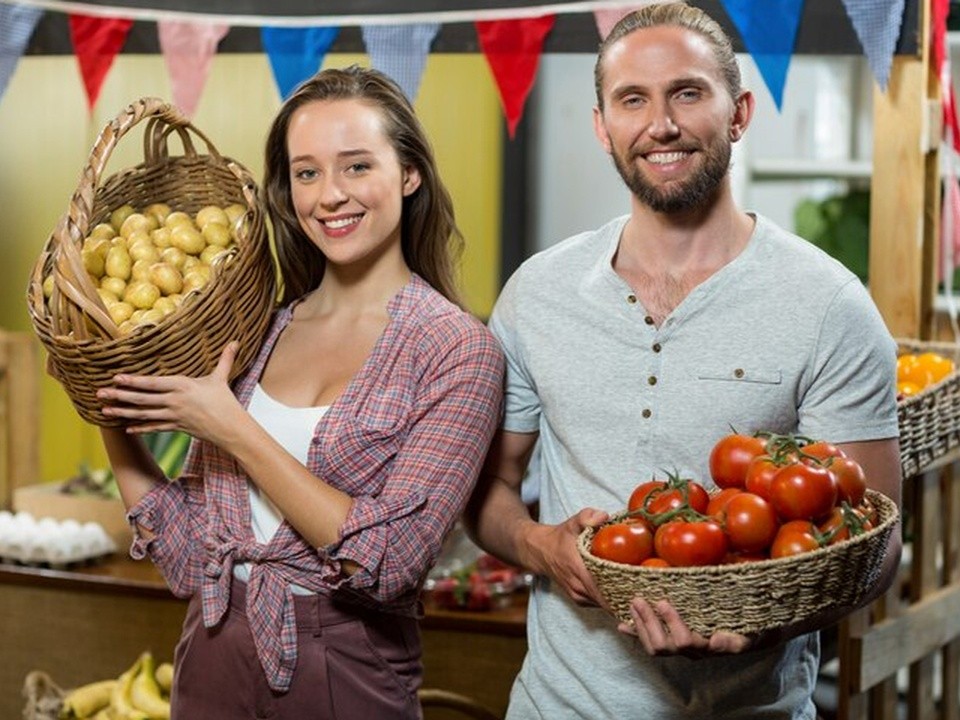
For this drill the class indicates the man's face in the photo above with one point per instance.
(668, 120)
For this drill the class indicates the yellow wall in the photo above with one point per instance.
(46, 133)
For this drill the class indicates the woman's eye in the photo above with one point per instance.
(305, 174)
(358, 168)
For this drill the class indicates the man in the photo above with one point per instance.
(633, 349)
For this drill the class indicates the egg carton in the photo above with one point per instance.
(58, 543)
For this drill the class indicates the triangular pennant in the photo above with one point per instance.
(17, 23)
(513, 49)
(96, 42)
(188, 49)
(769, 32)
(608, 17)
(400, 51)
(296, 53)
(877, 23)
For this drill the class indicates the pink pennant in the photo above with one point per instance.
(188, 49)
(513, 49)
(608, 17)
(96, 42)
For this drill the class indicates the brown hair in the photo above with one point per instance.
(676, 14)
(429, 237)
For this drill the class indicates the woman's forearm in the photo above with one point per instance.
(136, 471)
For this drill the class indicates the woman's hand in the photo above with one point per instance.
(203, 407)
(661, 631)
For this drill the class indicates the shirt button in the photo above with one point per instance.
(648, 320)
(656, 347)
(631, 299)
(738, 373)
(646, 413)
(652, 380)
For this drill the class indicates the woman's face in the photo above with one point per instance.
(346, 180)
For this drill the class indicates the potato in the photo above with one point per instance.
(140, 270)
(196, 278)
(141, 294)
(212, 214)
(137, 221)
(48, 286)
(144, 250)
(160, 238)
(160, 211)
(177, 217)
(165, 305)
(166, 277)
(113, 285)
(173, 256)
(216, 234)
(120, 312)
(103, 230)
(107, 297)
(149, 317)
(99, 245)
(118, 263)
(210, 253)
(118, 216)
(93, 263)
(235, 212)
(188, 239)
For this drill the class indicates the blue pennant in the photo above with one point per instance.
(17, 23)
(296, 53)
(877, 23)
(769, 31)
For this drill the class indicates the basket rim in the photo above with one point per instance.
(881, 500)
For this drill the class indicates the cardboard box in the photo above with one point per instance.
(46, 500)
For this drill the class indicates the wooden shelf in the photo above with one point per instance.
(803, 169)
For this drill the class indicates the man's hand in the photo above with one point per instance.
(553, 552)
(661, 631)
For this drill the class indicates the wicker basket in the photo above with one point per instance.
(754, 596)
(85, 348)
(929, 420)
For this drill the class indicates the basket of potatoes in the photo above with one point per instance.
(154, 269)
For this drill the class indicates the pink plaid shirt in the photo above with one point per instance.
(405, 440)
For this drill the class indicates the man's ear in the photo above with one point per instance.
(411, 180)
(742, 115)
(600, 130)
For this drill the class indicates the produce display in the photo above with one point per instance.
(918, 371)
(777, 496)
(143, 263)
(142, 692)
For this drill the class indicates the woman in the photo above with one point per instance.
(319, 488)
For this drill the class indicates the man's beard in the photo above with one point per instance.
(689, 194)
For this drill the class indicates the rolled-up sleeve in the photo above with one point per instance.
(396, 536)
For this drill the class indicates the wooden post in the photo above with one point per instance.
(19, 414)
(905, 192)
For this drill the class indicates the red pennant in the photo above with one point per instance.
(513, 49)
(96, 42)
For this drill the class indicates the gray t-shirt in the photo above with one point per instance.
(783, 338)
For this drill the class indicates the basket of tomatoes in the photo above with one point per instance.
(791, 531)
(928, 402)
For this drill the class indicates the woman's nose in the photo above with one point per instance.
(332, 193)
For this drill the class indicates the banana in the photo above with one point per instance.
(120, 702)
(145, 692)
(164, 677)
(86, 700)
(104, 714)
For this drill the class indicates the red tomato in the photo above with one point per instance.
(718, 502)
(682, 543)
(759, 474)
(842, 523)
(730, 457)
(851, 480)
(669, 499)
(655, 562)
(639, 495)
(792, 541)
(821, 449)
(626, 542)
(751, 523)
(803, 492)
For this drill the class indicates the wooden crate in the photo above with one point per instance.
(19, 413)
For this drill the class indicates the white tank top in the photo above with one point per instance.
(293, 428)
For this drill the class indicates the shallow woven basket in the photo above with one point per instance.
(930, 420)
(752, 597)
(85, 349)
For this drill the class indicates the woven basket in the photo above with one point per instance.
(752, 597)
(929, 420)
(85, 348)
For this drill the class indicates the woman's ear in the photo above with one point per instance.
(411, 180)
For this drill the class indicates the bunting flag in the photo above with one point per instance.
(16, 26)
(769, 32)
(400, 51)
(608, 17)
(96, 42)
(877, 24)
(296, 53)
(513, 49)
(188, 49)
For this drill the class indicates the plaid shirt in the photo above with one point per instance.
(405, 440)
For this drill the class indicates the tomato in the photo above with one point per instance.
(718, 502)
(869, 511)
(794, 540)
(655, 562)
(909, 369)
(639, 495)
(751, 523)
(801, 491)
(936, 366)
(682, 543)
(822, 450)
(759, 475)
(730, 457)
(672, 498)
(628, 542)
(842, 523)
(851, 480)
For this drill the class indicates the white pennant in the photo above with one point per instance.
(400, 51)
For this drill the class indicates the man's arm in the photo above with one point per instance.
(497, 519)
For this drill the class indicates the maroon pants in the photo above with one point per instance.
(352, 663)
